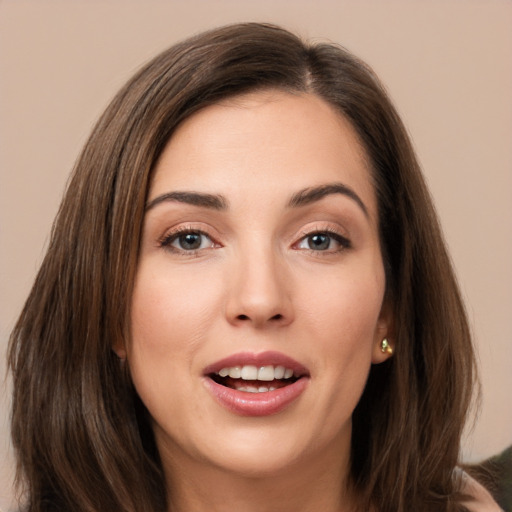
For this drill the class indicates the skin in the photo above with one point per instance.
(481, 501)
(255, 285)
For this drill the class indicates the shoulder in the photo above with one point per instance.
(480, 498)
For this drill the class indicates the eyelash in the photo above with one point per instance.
(166, 241)
(332, 234)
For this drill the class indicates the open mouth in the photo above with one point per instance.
(254, 379)
(251, 384)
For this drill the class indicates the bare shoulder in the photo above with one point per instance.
(482, 500)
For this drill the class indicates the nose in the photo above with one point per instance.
(259, 292)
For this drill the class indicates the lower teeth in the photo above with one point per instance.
(252, 386)
(253, 389)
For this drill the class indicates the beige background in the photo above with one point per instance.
(447, 64)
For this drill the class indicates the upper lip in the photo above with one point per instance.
(257, 359)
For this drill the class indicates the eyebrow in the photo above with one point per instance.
(313, 194)
(218, 202)
(213, 201)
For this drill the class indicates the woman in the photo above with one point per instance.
(246, 303)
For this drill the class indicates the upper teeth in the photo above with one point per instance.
(249, 372)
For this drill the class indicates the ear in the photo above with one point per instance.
(120, 350)
(384, 330)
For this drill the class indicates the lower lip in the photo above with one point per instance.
(256, 404)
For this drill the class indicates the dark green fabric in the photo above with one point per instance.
(496, 474)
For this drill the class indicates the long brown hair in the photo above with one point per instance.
(82, 436)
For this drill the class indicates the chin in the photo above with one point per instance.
(255, 462)
(247, 449)
(272, 447)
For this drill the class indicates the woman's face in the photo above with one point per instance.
(260, 257)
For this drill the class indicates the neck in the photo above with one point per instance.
(308, 485)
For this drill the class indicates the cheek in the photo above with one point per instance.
(346, 325)
(170, 317)
(170, 311)
(344, 322)
(344, 309)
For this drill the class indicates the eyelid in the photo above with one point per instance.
(336, 234)
(172, 234)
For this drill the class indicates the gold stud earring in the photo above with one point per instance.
(385, 347)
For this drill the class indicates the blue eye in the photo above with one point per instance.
(188, 241)
(324, 241)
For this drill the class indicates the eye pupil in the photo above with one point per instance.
(190, 241)
(319, 241)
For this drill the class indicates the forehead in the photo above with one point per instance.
(269, 142)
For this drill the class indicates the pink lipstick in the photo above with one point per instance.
(252, 384)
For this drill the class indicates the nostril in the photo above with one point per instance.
(277, 317)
